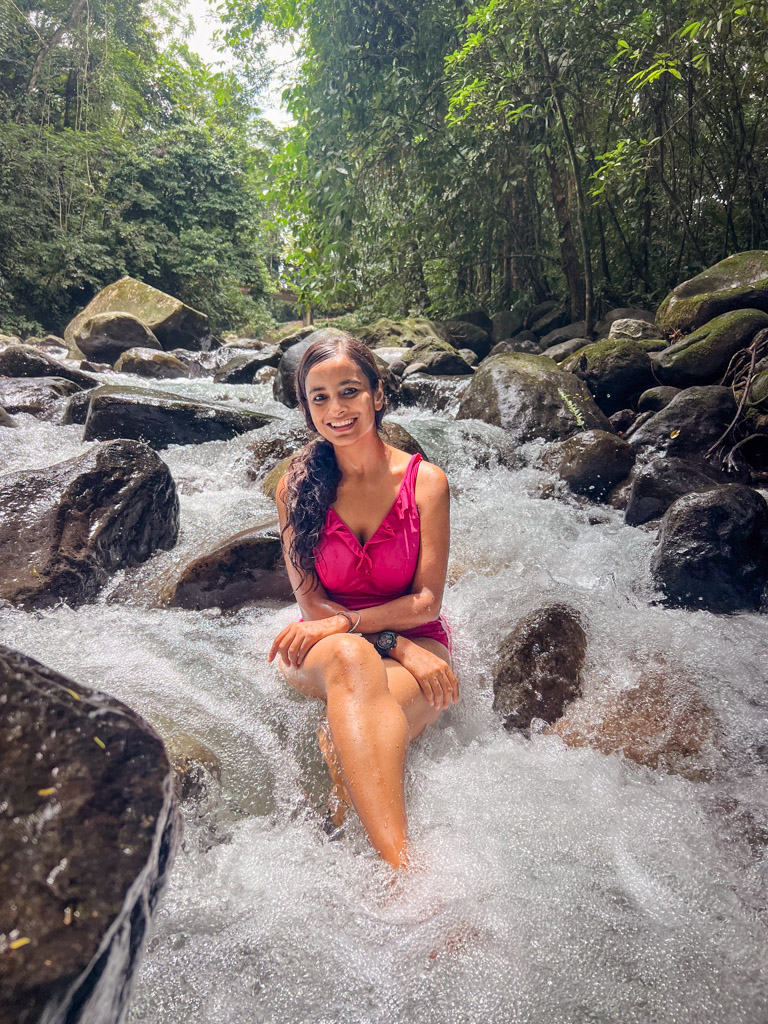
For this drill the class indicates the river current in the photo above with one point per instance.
(551, 885)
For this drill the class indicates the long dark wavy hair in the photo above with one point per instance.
(312, 479)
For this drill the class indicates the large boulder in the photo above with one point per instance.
(36, 396)
(505, 324)
(615, 370)
(563, 349)
(758, 391)
(738, 282)
(478, 318)
(530, 397)
(241, 369)
(104, 337)
(591, 462)
(241, 569)
(561, 334)
(173, 323)
(537, 672)
(89, 825)
(689, 425)
(555, 317)
(400, 333)
(161, 418)
(466, 335)
(438, 358)
(28, 361)
(65, 528)
(713, 551)
(634, 330)
(662, 481)
(151, 363)
(703, 356)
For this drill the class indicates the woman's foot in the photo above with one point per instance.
(339, 802)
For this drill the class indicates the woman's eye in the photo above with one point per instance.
(350, 391)
(318, 398)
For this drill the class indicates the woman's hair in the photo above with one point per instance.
(312, 479)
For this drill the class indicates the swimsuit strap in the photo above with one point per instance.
(408, 490)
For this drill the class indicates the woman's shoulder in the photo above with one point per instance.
(431, 482)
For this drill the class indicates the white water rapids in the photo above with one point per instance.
(550, 885)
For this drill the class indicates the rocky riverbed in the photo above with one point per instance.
(590, 822)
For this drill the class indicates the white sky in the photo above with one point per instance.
(201, 42)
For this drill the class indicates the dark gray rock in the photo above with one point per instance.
(622, 420)
(564, 349)
(438, 358)
(614, 370)
(26, 361)
(89, 826)
(538, 668)
(506, 324)
(64, 529)
(76, 410)
(540, 310)
(591, 462)
(661, 482)
(689, 425)
(151, 363)
(656, 399)
(703, 356)
(35, 396)
(478, 318)
(104, 337)
(530, 397)
(161, 418)
(561, 334)
(241, 369)
(525, 341)
(713, 551)
(466, 335)
(549, 321)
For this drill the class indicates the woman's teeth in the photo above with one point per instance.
(342, 423)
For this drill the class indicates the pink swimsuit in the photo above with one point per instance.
(359, 575)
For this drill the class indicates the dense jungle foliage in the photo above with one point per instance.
(446, 155)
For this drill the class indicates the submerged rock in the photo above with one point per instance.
(90, 826)
(713, 551)
(615, 370)
(689, 425)
(161, 418)
(591, 462)
(36, 396)
(64, 529)
(171, 321)
(703, 356)
(538, 668)
(241, 569)
(196, 765)
(5, 419)
(738, 282)
(530, 397)
(435, 393)
(104, 337)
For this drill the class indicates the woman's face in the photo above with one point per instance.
(342, 406)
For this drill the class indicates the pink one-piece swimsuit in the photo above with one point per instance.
(360, 576)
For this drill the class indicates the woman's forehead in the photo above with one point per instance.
(335, 369)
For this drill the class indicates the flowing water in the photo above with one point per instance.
(549, 884)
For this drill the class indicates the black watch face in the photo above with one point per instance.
(386, 640)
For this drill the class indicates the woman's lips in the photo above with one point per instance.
(340, 426)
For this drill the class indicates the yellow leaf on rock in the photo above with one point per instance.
(675, 433)
(100, 742)
(18, 943)
(46, 792)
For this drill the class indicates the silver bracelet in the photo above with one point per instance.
(352, 630)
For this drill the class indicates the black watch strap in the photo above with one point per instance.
(385, 641)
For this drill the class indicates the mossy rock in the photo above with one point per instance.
(615, 370)
(758, 393)
(387, 333)
(438, 358)
(173, 323)
(738, 282)
(703, 356)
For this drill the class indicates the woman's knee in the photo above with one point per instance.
(348, 660)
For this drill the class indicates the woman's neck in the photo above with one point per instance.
(367, 457)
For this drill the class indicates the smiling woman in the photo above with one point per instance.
(365, 534)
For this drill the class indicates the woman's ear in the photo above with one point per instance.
(378, 397)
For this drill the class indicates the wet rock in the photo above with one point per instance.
(64, 529)
(525, 341)
(400, 333)
(561, 351)
(660, 723)
(161, 418)
(738, 282)
(538, 668)
(750, 459)
(104, 337)
(252, 344)
(76, 409)
(437, 358)
(266, 375)
(661, 482)
(656, 399)
(286, 341)
(173, 323)
(505, 325)
(465, 335)
(146, 362)
(88, 367)
(90, 826)
(618, 496)
(284, 388)
(591, 462)
(26, 361)
(435, 393)
(713, 551)
(9, 339)
(561, 334)
(35, 396)
(603, 326)
(634, 330)
(468, 356)
(478, 318)
(241, 569)
(241, 369)
(268, 485)
(622, 420)
(530, 397)
(614, 370)
(392, 357)
(5, 419)
(703, 356)
(52, 344)
(196, 766)
(690, 424)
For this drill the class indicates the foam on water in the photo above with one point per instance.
(549, 884)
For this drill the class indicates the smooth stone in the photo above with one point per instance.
(738, 282)
(104, 337)
(561, 334)
(469, 357)
(463, 335)
(27, 361)
(703, 357)
(523, 342)
(615, 370)
(436, 357)
(37, 397)
(145, 362)
(506, 323)
(564, 349)
(603, 325)
(5, 419)
(689, 425)
(76, 409)
(478, 318)
(661, 482)
(241, 369)
(656, 399)
(591, 462)
(550, 321)
(622, 420)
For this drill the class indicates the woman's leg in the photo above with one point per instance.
(324, 675)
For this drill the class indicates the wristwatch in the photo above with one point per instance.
(385, 641)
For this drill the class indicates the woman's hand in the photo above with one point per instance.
(436, 679)
(293, 642)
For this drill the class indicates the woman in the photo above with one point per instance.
(365, 533)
